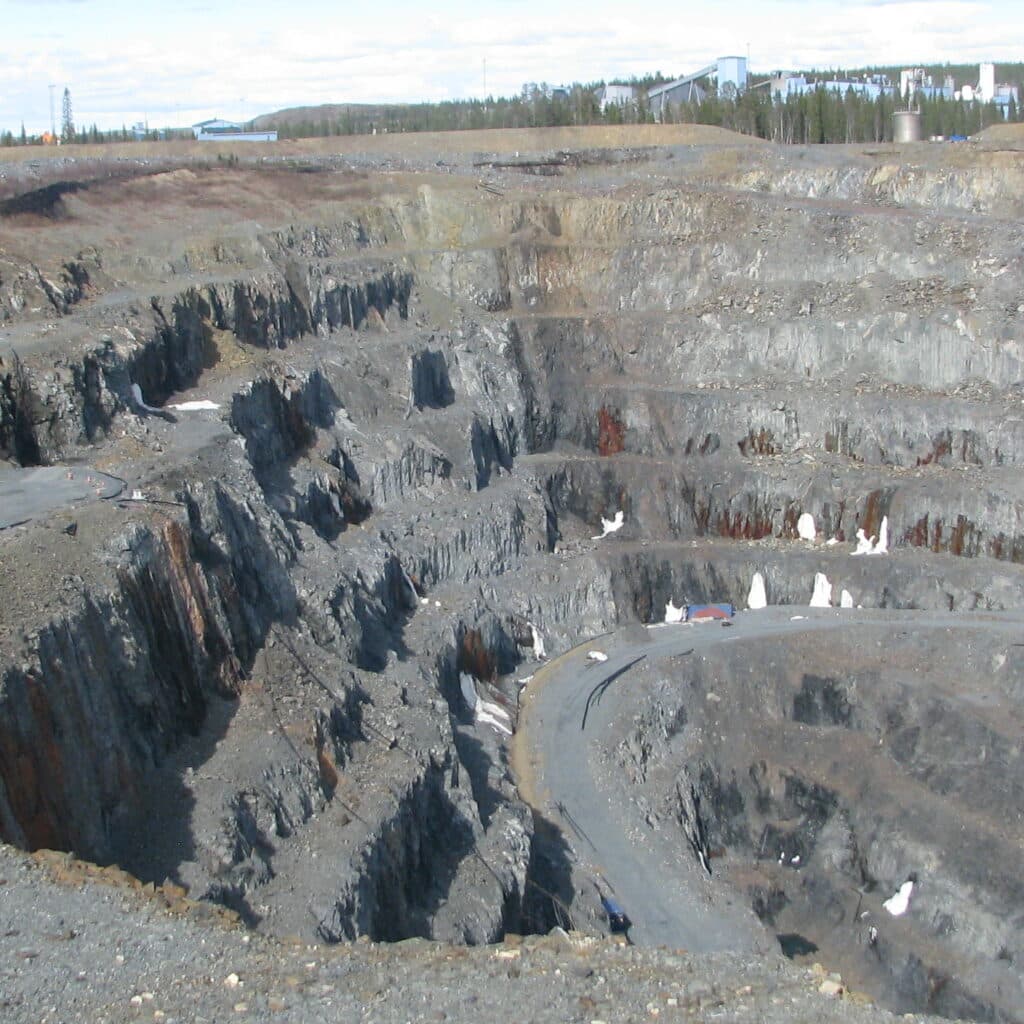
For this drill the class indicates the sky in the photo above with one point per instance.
(175, 64)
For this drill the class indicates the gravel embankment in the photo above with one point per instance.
(79, 943)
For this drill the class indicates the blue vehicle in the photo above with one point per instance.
(618, 919)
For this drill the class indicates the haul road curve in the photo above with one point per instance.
(566, 771)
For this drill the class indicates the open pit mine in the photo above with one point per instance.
(350, 506)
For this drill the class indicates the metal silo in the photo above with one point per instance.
(906, 126)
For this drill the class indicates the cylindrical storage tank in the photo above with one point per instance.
(906, 126)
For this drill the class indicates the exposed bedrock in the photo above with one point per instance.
(964, 514)
(47, 409)
(894, 428)
(109, 688)
(647, 577)
(760, 751)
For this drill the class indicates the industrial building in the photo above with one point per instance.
(785, 84)
(730, 74)
(988, 91)
(915, 83)
(683, 90)
(615, 95)
(218, 130)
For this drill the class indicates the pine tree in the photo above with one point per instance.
(67, 131)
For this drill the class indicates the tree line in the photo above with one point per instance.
(818, 116)
(825, 116)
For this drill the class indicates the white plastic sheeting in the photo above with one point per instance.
(757, 598)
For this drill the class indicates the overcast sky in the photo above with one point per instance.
(129, 60)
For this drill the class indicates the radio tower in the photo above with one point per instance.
(67, 125)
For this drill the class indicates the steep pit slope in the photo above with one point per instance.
(752, 742)
(368, 425)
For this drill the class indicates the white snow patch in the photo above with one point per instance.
(757, 598)
(845, 599)
(199, 405)
(797, 618)
(805, 527)
(898, 903)
(874, 545)
(494, 716)
(832, 541)
(864, 545)
(342, 418)
(822, 596)
(483, 710)
(611, 525)
(597, 656)
(674, 614)
(538, 643)
(882, 547)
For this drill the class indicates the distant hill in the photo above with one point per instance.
(333, 113)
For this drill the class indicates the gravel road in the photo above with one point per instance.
(567, 715)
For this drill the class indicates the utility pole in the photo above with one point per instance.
(53, 113)
(485, 78)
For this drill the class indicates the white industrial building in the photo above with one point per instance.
(989, 91)
(218, 130)
(615, 95)
(914, 82)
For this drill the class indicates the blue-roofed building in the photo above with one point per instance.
(784, 85)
